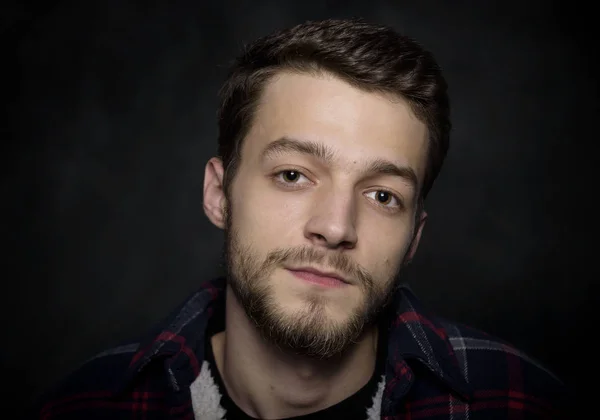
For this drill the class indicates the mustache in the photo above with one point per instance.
(341, 263)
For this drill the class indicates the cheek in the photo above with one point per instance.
(388, 251)
(265, 215)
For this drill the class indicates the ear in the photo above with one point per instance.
(215, 202)
(416, 237)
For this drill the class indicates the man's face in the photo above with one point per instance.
(315, 190)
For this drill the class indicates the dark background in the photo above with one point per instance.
(109, 112)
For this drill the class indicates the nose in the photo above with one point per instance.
(332, 223)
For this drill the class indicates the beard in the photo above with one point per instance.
(308, 331)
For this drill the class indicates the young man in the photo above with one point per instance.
(331, 134)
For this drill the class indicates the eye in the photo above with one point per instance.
(385, 198)
(290, 177)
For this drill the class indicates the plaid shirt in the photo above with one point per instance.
(434, 370)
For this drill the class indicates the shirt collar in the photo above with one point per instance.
(412, 334)
(179, 340)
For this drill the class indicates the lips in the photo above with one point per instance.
(312, 275)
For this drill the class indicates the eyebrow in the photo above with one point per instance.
(325, 154)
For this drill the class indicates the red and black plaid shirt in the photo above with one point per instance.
(434, 370)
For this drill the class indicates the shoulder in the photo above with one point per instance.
(498, 372)
(92, 385)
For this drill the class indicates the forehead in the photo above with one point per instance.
(357, 125)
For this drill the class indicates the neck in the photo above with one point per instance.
(267, 382)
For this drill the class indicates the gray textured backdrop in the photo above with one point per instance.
(111, 112)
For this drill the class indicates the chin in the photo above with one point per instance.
(327, 313)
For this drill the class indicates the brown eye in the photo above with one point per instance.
(384, 197)
(291, 178)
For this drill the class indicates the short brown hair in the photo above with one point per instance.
(371, 57)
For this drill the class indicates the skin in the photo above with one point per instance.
(339, 215)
